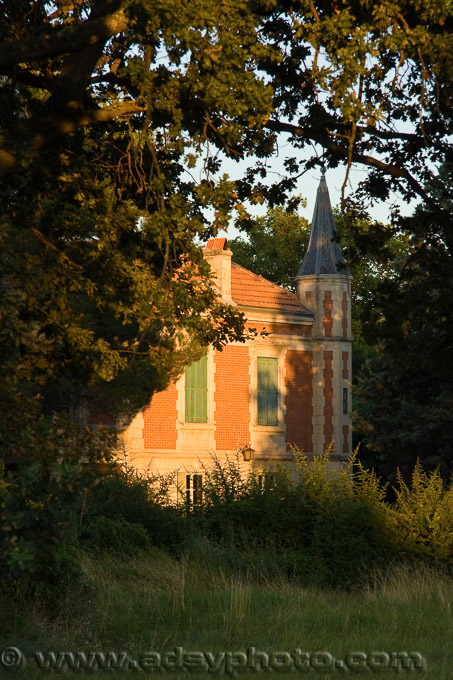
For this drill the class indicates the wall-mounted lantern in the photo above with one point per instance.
(248, 453)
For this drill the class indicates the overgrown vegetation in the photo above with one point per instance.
(323, 528)
(406, 390)
(319, 563)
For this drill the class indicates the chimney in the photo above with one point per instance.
(218, 256)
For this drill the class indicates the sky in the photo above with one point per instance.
(307, 187)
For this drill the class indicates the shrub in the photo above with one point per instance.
(116, 535)
(129, 498)
(41, 494)
(423, 515)
(327, 527)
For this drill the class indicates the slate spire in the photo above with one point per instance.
(323, 255)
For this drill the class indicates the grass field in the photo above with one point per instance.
(153, 605)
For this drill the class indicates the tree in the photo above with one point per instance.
(407, 390)
(105, 107)
(366, 83)
(275, 245)
(374, 251)
(105, 295)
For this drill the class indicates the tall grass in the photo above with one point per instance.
(155, 602)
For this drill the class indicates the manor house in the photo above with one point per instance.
(287, 388)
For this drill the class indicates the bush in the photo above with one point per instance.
(328, 528)
(423, 516)
(127, 498)
(116, 535)
(41, 495)
(325, 528)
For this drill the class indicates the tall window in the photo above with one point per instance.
(194, 489)
(197, 391)
(267, 391)
(190, 488)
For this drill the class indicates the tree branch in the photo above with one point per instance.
(63, 124)
(342, 151)
(63, 41)
(27, 77)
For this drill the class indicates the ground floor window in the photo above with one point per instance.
(194, 489)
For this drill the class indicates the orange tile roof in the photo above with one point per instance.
(250, 290)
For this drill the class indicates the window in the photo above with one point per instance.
(190, 488)
(197, 392)
(194, 489)
(345, 400)
(267, 391)
(266, 482)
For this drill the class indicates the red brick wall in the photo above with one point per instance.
(327, 320)
(299, 399)
(344, 320)
(328, 398)
(159, 430)
(232, 398)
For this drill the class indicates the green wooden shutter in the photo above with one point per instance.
(197, 391)
(267, 391)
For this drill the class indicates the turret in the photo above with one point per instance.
(324, 285)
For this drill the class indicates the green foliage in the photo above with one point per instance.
(423, 515)
(407, 388)
(116, 535)
(125, 500)
(322, 527)
(327, 527)
(104, 296)
(41, 494)
(375, 252)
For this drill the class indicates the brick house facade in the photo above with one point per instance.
(290, 387)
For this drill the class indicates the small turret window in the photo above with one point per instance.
(345, 400)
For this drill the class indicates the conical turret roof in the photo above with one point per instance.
(323, 255)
